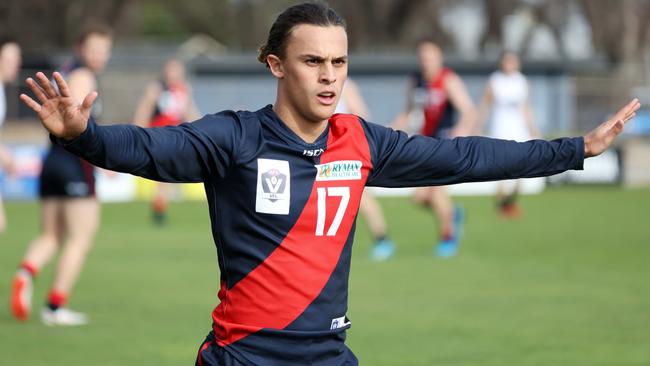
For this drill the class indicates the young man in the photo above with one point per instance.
(284, 183)
(10, 59)
(448, 112)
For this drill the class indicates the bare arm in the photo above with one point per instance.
(147, 105)
(484, 108)
(355, 101)
(7, 160)
(460, 98)
(530, 119)
(81, 83)
(192, 112)
(401, 120)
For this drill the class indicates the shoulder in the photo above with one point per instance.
(81, 74)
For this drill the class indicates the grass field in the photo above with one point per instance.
(567, 285)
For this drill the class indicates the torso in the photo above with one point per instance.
(510, 93)
(439, 113)
(301, 202)
(171, 105)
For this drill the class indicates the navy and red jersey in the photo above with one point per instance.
(171, 105)
(283, 211)
(439, 112)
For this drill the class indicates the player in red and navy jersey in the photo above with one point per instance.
(70, 210)
(448, 111)
(284, 183)
(166, 102)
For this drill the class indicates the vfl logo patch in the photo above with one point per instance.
(273, 187)
(339, 323)
(339, 170)
(273, 182)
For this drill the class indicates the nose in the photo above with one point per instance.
(327, 75)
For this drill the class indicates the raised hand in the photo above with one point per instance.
(58, 112)
(599, 139)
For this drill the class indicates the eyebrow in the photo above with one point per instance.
(321, 58)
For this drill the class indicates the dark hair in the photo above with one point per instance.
(93, 28)
(5, 39)
(314, 13)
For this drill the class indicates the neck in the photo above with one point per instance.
(308, 131)
(433, 73)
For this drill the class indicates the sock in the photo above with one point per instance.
(447, 235)
(381, 238)
(510, 199)
(29, 269)
(56, 300)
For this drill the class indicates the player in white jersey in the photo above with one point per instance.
(506, 96)
(9, 67)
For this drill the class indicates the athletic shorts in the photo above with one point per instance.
(211, 354)
(64, 175)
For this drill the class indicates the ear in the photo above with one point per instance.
(275, 64)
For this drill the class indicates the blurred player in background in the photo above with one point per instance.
(284, 184)
(383, 248)
(166, 102)
(10, 59)
(69, 208)
(448, 112)
(507, 97)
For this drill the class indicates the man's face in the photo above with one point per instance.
(10, 59)
(95, 51)
(313, 71)
(430, 57)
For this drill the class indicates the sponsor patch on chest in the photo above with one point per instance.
(339, 170)
(273, 187)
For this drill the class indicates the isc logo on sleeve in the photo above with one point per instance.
(273, 187)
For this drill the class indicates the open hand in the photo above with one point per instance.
(599, 139)
(58, 112)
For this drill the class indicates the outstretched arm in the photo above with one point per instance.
(399, 161)
(191, 152)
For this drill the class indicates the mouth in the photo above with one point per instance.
(327, 97)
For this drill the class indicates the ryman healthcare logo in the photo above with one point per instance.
(273, 187)
(339, 170)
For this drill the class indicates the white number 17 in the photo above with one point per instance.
(323, 193)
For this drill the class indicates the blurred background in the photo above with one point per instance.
(571, 277)
(583, 58)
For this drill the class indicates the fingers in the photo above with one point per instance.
(40, 94)
(624, 114)
(31, 103)
(46, 85)
(88, 101)
(61, 84)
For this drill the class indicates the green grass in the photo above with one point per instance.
(566, 285)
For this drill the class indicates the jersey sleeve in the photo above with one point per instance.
(402, 161)
(191, 152)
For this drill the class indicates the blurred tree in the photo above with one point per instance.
(552, 14)
(495, 12)
(619, 29)
(45, 24)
